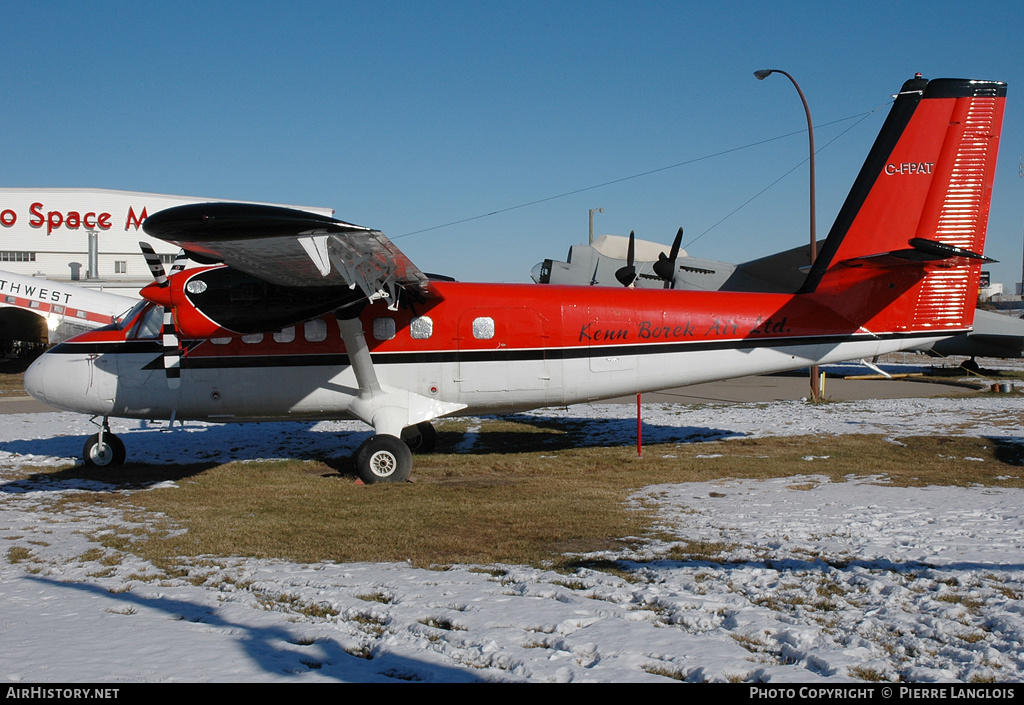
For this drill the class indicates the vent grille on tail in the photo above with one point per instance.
(945, 300)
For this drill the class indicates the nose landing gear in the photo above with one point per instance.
(104, 449)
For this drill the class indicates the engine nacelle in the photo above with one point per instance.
(211, 302)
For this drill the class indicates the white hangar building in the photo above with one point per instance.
(68, 238)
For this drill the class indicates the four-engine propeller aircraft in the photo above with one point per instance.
(612, 260)
(301, 316)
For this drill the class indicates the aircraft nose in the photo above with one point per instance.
(35, 379)
(70, 381)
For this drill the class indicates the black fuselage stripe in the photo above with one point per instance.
(465, 356)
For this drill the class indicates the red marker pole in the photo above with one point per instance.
(639, 436)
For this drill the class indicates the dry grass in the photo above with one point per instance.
(501, 503)
(12, 374)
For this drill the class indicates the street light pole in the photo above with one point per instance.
(761, 75)
(599, 210)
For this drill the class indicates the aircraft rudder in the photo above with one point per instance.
(928, 175)
(916, 218)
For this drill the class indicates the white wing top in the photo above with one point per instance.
(291, 248)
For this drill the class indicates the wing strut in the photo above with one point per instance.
(359, 357)
(387, 409)
(384, 457)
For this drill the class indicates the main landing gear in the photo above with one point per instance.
(421, 438)
(104, 449)
(381, 458)
(384, 458)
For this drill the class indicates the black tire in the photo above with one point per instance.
(111, 454)
(383, 459)
(421, 438)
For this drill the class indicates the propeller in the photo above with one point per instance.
(627, 275)
(156, 267)
(665, 267)
(180, 261)
(171, 345)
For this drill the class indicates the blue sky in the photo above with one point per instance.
(405, 116)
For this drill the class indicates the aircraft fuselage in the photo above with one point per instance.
(481, 349)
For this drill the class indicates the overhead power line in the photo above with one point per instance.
(861, 116)
(801, 163)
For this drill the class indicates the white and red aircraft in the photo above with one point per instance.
(302, 316)
(54, 311)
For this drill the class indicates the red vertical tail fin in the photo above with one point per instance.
(919, 209)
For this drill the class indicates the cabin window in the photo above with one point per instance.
(483, 328)
(421, 327)
(33, 304)
(285, 335)
(253, 338)
(10, 299)
(57, 309)
(81, 314)
(315, 331)
(383, 328)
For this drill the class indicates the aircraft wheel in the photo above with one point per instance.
(421, 438)
(111, 453)
(383, 458)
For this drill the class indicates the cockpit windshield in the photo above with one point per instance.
(128, 312)
(125, 319)
(149, 323)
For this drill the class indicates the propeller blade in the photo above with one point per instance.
(180, 261)
(627, 275)
(171, 347)
(665, 267)
(156, 267)
(171, 351)
(675, 245)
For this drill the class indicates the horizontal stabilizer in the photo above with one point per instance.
(932, 250)
(920, 250)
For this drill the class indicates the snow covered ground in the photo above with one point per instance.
(821, 582)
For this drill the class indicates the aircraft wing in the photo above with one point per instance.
(291, 247)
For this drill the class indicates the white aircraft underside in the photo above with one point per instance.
(131, 386)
